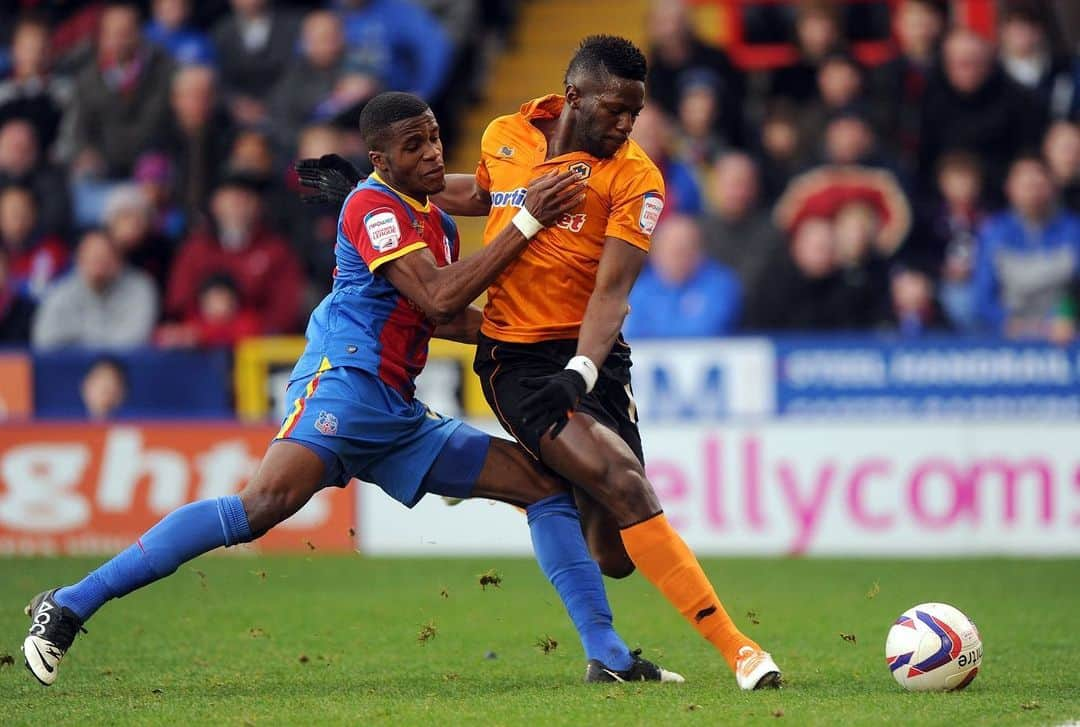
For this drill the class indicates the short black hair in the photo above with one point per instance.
(608, 54)
(385, 109)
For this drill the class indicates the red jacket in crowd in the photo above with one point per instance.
(266, 271)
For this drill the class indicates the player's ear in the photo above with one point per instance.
(573, 96)
(377, 160)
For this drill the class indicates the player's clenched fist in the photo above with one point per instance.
(549, 197)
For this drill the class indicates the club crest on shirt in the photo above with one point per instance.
(652, 205)
(582, 169)
(326, 423)
(382, 229)
(506, 151)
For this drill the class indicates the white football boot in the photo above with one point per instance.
(755, 669)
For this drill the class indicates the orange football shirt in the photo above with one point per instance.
(542, 295)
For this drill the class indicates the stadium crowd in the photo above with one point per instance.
(146, 192)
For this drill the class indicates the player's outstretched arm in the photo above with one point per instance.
(463, 328)
(463, 196)
(443, 292)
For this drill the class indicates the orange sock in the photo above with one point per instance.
(668, 563)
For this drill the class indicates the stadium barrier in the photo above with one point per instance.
(93, 489)
(790, 488)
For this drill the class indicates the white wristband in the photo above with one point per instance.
(526, 223)
(584, 366)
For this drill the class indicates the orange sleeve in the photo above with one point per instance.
(637, 200)
(492, 139)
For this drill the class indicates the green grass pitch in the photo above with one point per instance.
(337, 640)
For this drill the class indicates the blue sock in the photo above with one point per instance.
(560, 550)
(180, 536)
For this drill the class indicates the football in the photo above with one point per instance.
(933, 647)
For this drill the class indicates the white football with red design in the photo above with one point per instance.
(933, 647)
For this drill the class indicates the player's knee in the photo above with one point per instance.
(631, 497)
(267, 501)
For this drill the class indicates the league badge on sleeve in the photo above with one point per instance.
(382, 229)
(652, 206)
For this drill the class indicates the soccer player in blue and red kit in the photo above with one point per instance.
(398, 282)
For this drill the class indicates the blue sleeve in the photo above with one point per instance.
(417, 29)
(988, 308)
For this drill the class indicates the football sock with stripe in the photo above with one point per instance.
(560, 549)
(183, 534)
(668, 563)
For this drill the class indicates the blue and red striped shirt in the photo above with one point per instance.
(365, 322)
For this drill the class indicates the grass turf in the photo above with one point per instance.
(335, 640)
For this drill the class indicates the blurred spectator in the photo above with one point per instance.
(104, 388)
(849, 139)
(121, 99)
(1027, 258)
(21, 162)
(781, 149)
(952, 236)
(16, 310)
(314, 77)
(1029, 59)
(199, 136)
(677, 54)
(104, 303)
(312, 229)
(840, 85)
(35, 259)
(681, 293)
(975, 106)
(803, 290)
(254, 46)
(825, 191)
(154, 175)
(129, 221)
(170, 28)
(739, 232)
(252, 156)
(218, 321)
(32, 92)
(400, 43)
(817, 33)
(862, 260)
(653, 132)
(266, 271)
(698, 141)
(1061, 148)
(900, 84)
(914, 312)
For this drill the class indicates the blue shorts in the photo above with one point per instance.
(362, 428)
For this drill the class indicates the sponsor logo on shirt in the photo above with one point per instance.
(574, 223)
(513, 198)
(652, 204)
(382, 229)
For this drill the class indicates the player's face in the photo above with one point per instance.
(606, 113)
(413, 159)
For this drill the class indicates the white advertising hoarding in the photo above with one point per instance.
(819, 489)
